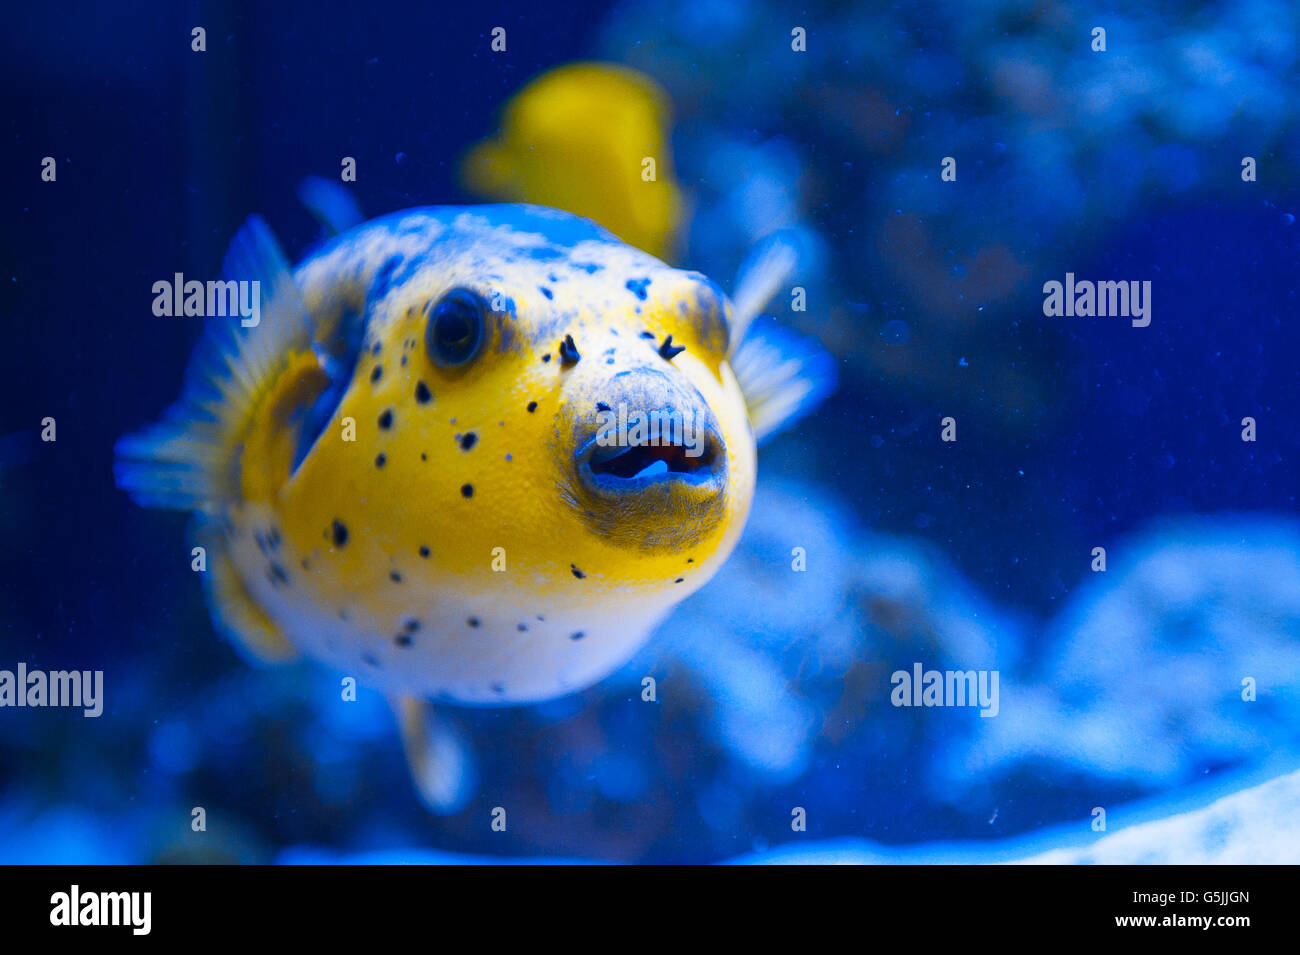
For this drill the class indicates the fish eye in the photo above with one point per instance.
(455, 330)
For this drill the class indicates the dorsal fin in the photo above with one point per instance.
(333, 206)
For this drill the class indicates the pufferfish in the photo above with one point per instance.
(399, 473)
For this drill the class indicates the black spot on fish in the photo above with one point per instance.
(275, 573)
(402, 640)
(467, 440)
(394, 576)
(369, 658)
(576, 572)
(690, 560)
(589, 267)
(467, 490)
(532, 406)
(412, 625)
(424, 551)
(376, 373)
(422, 393)
(569, 354)
(647, 334)
(670, 351)
(545, 291)
(473, 621)
(546, 357)
(273, 538)
(423, 456)
(305, 564)
(637, 287)
(577, 636)
(340, 533)
(601, 406)
(386, 419)
(380, 460)
(498, 688)
(609, 361)
(522, 628)
(679, 580)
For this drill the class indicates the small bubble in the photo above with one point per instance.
(400, 158)
(896, 332)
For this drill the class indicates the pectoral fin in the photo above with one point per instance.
(782, 375)
(241, 378)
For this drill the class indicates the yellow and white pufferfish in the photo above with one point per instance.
(396, 473)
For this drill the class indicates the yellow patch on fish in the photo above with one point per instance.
(578, 138)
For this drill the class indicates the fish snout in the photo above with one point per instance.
(649, 459)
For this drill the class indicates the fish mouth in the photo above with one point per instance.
(649, 463)
(649, 468)
(618, 469)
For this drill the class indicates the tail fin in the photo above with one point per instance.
(189, 460)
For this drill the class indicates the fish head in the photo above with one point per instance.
(562, 435)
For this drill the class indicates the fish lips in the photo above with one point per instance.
(659, 492)
(612, 463)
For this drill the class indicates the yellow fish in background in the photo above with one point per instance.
(431, 465)
(577, 138)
